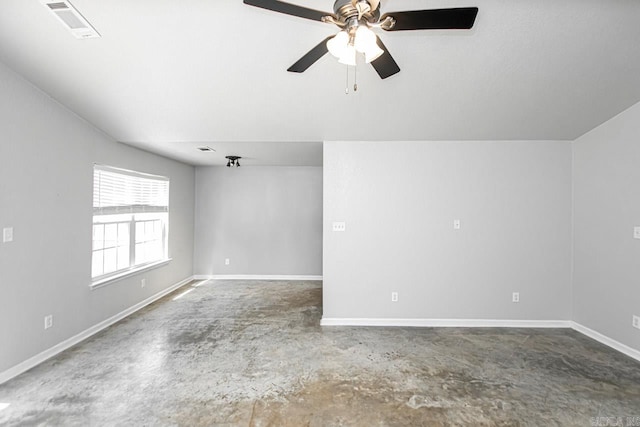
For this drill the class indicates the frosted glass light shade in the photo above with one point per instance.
(348, 57)
(366, 42)
(365, 38)
(338, 44)
(372, 53)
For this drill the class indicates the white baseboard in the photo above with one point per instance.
(484, 323)
(255, 277)
(58, 348)
(446, 323)
(616, 345)
(326, 321)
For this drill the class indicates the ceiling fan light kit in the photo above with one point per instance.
(347, 43)
(356, 18)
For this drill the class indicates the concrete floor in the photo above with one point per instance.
(253, 354)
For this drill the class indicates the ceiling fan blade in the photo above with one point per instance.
(461, 18)
(288, 9)
(311, 57)
(385, 66)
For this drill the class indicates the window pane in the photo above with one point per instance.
(110, 260)
(157, 230)
(139, 231)
(98, 236)
(96, 264)
(140, 253)
(156, 250)
(110, 235)
(123, 257)
(123, 234)
(148, 230)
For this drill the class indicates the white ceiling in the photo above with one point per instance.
(169, 76)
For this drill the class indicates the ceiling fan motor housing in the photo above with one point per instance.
(348, 9)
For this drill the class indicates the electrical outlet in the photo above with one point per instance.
(143, 283)
(515, 297)
(394, 297)
(339, 226)
(226, 261)
(636, 322)
(456, 224)
(48, 321)
(636, 232)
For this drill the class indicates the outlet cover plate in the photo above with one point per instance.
(636, 232)
(636, 322)
(339, 226)
(515, 297)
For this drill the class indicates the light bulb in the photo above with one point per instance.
(338, 44)
(348, 57)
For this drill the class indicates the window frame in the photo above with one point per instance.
(133, 215)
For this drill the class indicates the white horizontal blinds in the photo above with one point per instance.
(118, 191)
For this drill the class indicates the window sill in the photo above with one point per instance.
(125, 274)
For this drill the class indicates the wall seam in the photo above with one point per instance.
(573, 237)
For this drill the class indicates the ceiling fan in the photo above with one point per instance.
(355, 18)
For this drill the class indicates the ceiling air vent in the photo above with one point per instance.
(71, 19)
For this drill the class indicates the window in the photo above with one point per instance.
(130, 221)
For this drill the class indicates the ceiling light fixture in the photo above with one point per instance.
(357, 37)
(233, 161)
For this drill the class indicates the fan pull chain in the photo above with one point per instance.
(346, 88)
(355, 78)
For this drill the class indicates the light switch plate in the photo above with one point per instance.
(7, 234)
(636, 232)
(456, 224)
(48, 321)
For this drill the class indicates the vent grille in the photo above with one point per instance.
(57, 6)
(72, 19)
(69, 18)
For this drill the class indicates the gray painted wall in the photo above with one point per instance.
(606, 175)
(399, 201)
(46, 179)
(266, 220)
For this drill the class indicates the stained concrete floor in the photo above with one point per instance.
(253, 354)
